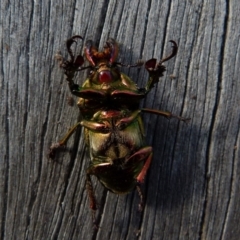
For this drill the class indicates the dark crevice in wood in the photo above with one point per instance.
(232, 184)
(145, 30)
(221, 60)
(128, 220)
(118, 22)
(6, 156)
(32, 200)
(75, 193)
(134, 27)
(25, 115)
(74, 152)
(73, 17)
(74, 206)
(139, 70)
(198, 22)
(131, 202)
(47, 25)
(141, 213)
(100, 211)
(33, 193)
(162, 53)
(5, 198)
(220, 77)
(99, 28)
(153, 91)
(28, 41)
(111, 235)
(214, 114)
(166, 27)
(42, 155)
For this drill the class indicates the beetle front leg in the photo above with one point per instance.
(73, 65)
(91, 197)
(156, 70)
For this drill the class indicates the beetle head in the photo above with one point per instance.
(103, 63)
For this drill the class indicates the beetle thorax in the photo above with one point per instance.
(104, 73)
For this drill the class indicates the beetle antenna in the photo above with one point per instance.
(83, 68)
(140, 194)
(139, 63)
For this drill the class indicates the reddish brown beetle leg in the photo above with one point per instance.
(142, 174)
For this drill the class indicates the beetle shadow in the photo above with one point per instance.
(178, 169)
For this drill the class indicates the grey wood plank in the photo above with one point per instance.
(192, 188)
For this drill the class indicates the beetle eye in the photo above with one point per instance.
(105, 77)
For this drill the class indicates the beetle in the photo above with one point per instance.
(113, 127)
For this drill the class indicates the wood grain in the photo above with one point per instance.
(192, 189)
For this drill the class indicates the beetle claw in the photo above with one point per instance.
(173, 53)
(141, 203)
(70, 41)
(95, 224)
(72, 65)
(155, 68)
(51, 154)
(152, 65)
(53, 150)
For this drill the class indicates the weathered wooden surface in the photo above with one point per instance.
(192, 189)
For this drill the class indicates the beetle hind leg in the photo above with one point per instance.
(91, 196)
(141, 196)
(145, 154)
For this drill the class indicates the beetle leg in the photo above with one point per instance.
(73, 65)
(165, 114)
(62, 142)
(156, 70)
(142, 174)
(95, 126)
(141, 196)
(124, 122)
(139, 63)
(91, 195)
(145, 155)
(172, 54)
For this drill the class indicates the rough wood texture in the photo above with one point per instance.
(192, 189)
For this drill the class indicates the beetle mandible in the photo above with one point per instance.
(113, 128)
